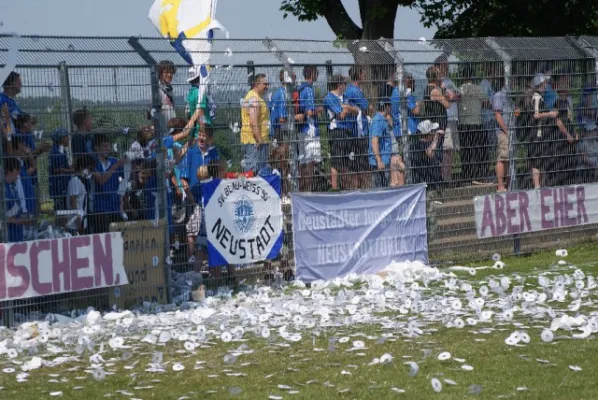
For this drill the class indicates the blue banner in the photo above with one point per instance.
(361, 232)
(243, 220)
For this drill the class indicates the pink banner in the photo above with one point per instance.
(513, 213)
(45, 267)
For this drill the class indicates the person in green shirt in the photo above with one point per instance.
(204, 118)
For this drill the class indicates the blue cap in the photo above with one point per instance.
(590, 126)
(59, 134)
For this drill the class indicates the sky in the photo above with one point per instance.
(129, 18)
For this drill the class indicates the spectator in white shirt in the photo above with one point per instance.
(77, 194)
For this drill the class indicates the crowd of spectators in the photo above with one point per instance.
(462, 128)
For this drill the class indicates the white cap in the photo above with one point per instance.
(427, 126)
(539, 79)
(194, 73)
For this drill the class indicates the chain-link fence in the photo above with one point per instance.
(96, 132)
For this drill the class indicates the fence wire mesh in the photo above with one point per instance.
(512, 114)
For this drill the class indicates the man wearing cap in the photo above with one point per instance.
(255, 132)
(59, 169)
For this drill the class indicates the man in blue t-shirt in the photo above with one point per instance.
(10, 89)
(380, 145)
(355, 97)
(280, 135)
(59, 169)
(341, 116)
(107, 177)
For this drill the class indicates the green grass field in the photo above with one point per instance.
(309, 369)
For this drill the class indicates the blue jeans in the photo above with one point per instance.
(256, 159)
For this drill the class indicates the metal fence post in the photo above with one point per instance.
(388, 46)
(160, 160)
(250, 72)
(293, 150)
(67, 101)
(513, 183)
(7, 306)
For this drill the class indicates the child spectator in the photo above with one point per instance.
(380, 146)
(26, 183)
(15, 219)
(426, 165)
(81, 141)
(202, 107)
(59, 170)
(140, 198)
(203, 163)
(24, 125)
(107, 176)
(77, 195)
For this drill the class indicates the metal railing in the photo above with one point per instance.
(116, 80)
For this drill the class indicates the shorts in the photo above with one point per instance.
(193, 226)
(256, 158)
(359, 155)
(340, 148)
(380, 178)
(451, 136)
(502, 153)
(309, 149)
(398, 146)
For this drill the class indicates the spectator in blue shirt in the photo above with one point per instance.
(355, 97)
(380, 144)
(60, 171)
(10, 89)
(81, 141)
(14, 213)
(280, 135)
(310, 154)
(24, 125)
(341, 116)
(106, 177)
(204, 163)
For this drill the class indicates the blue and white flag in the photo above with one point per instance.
(335, 234)
(189, 25)
(243, 220)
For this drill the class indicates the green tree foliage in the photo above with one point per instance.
(481, 18)
(456, 18)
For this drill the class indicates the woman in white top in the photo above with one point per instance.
(77, 194)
